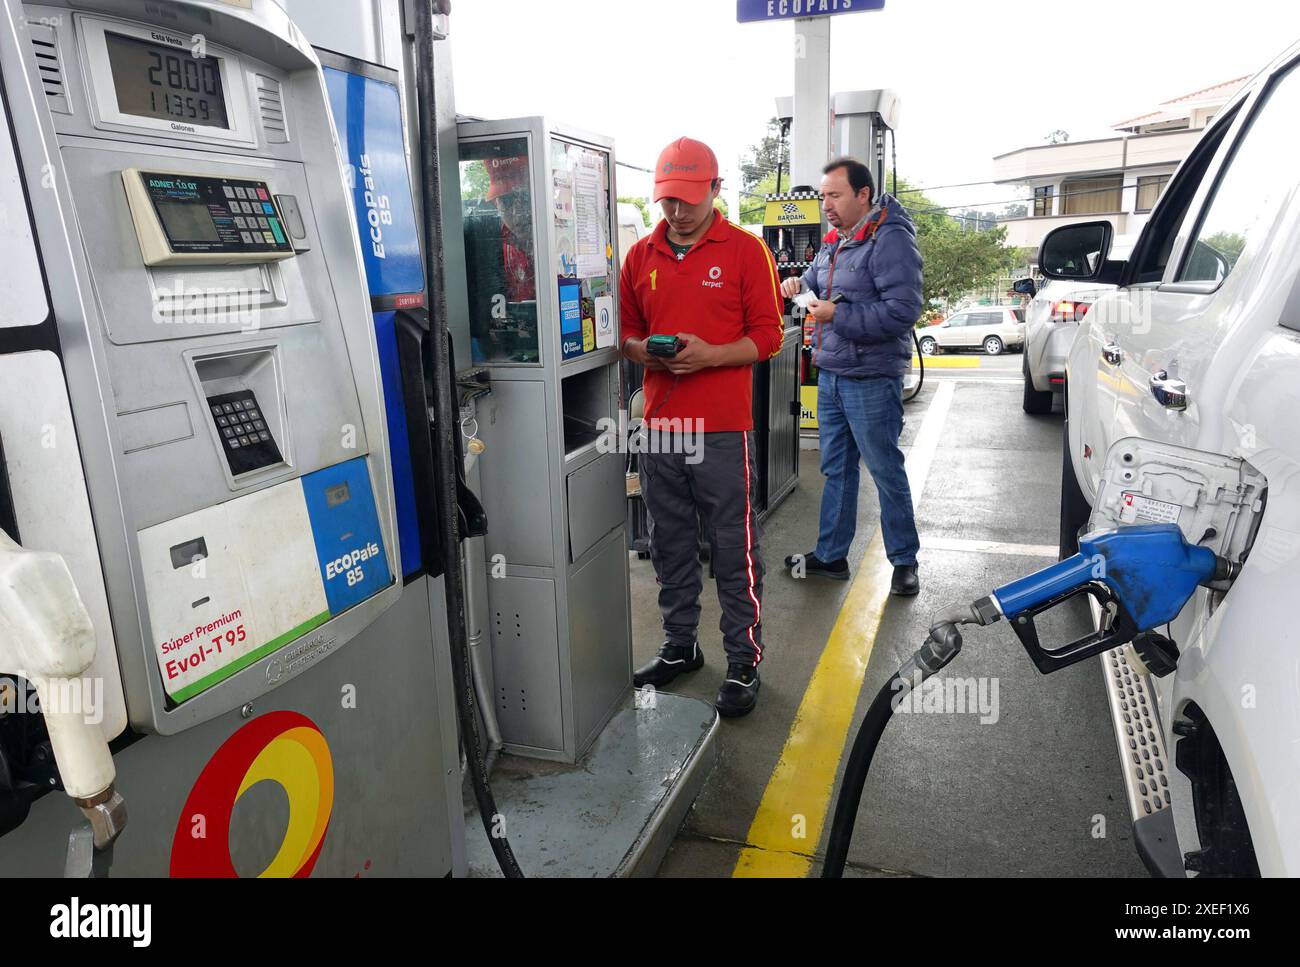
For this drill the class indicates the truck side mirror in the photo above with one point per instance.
(1076, 252)
(1025, 287)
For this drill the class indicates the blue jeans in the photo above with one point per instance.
(863, 417)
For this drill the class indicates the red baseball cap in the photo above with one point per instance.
(505, 175)
(685, 170)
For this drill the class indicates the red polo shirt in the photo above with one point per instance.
(724, 289)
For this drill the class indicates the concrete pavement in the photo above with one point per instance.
(1025, 782)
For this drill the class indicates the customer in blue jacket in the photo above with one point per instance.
(862, 347)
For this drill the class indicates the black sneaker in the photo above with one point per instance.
(905, 583)
(739, 692)
(671, 661)
(812, 564)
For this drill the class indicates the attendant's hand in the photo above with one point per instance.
(695, 355)
(634, 349)
(821, 310)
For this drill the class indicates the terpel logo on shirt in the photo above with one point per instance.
(714, 281)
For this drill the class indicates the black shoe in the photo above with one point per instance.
(739, 692)
(671, 661)
(836, 570)
(905, 583)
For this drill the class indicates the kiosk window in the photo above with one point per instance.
(500, 254)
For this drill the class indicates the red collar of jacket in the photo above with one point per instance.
(864, 233)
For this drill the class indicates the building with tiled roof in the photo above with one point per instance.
(1117, 179)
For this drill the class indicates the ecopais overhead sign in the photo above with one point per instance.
(748, 11)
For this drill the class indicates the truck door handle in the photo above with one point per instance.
(1169, 393)
(1112, 353)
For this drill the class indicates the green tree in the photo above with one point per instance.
(474, 180)
(751, 199)
(1227, 244)
(956, 261)
(762, 159)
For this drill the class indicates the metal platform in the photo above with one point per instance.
(616, 811)
(1144, 758)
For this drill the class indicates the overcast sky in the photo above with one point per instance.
(975, 79)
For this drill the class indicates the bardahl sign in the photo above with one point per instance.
(749, 11)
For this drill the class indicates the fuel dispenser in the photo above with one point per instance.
(193, 415)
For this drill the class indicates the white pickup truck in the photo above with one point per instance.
(1190, 371)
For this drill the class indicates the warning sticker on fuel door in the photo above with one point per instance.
(229, 585)
(1147, 509)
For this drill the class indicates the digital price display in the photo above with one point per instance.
(157, 81)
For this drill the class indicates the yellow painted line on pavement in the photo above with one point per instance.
(788, 824)
(950, 362)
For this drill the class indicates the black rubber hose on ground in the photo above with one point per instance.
(855, 777)
(447, 427)
(941, 646)
(920, 366)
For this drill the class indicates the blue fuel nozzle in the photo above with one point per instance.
(1141, 575)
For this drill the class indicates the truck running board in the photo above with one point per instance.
(1144, 763)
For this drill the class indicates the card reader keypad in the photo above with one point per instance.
(245, 436)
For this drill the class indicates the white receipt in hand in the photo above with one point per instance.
(805, 299)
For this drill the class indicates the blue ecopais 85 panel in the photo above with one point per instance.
(367, 109)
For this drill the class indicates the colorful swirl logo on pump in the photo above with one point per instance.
(284, 747)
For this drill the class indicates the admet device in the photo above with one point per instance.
(182, 218)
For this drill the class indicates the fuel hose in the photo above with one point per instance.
(920, 368)
(941, 647)
(448, 448)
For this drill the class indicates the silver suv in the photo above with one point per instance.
(988, 328)
(1051, 323)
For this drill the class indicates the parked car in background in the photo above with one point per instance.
(631, 227)
(1051, 322)
(1184, 380)
(990, 329)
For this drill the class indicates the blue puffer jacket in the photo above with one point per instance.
(879, 272)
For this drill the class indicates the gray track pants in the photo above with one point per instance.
(718, 488)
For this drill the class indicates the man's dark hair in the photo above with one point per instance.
(859, 175)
